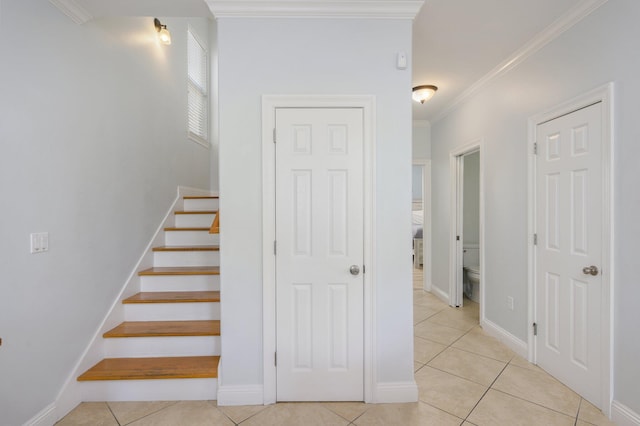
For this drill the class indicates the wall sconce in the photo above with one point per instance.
(163, 33)
(423, 93)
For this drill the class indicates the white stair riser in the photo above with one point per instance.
(194, 220)
(143, 347)
(150, 390)
(200, 311)
(190, 238)
(186, 258)
(201, 204)
(180, 283)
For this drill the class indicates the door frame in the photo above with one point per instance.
(604, 95)
(456, 165)
(269, 105)
(426, 220)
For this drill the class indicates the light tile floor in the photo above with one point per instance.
(464, 377)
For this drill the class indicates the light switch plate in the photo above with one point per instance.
(39, 242)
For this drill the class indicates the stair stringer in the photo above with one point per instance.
(71, 393)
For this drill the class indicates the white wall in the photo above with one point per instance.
(93, 139)
(421, 139)
(311, 56)
(601, 48)
(471, 202)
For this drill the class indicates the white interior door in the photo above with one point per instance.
(319, 261)
(569, 205)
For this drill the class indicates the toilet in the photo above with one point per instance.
(471, 265)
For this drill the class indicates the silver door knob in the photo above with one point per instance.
(590, 270)
(354, 269)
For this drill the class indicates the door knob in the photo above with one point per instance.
(590, 270)
(354, 269)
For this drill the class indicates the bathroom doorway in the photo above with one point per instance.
(466, 285)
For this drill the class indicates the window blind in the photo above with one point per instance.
(197, 87)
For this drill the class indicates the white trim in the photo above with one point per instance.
(70, 394)
(269, 105)
(396, 392)
(546, 36)
(426, 220)
(440, 294)
(387, 9)
(240, 395)
(46, 417)
(512, 342)
(603, 94)
(456, 208)
(73, 10)
(623, 415)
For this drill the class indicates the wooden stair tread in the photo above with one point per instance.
(187, 248)
(191, 367)
(165, 329)
(196, 212)
(171, 228)
(200, 197)
(173, 297)
(181, 270)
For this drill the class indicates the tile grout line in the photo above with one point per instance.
(112, 413)
(486, 391)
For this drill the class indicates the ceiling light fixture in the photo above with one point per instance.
(423, 93)
(163, 33)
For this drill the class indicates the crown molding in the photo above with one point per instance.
(73, 10)
(389, 9)
(543, 38)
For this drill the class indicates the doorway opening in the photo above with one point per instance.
(466, 286)
(421, 223)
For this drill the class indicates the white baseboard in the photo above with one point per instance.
(623, 415)
(518, 346)
(396, 392)
(46, 417)
(440, 294)
(240, 395)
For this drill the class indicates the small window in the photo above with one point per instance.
(198, 100)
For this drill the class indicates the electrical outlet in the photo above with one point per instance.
(510, 302)
(39, 242)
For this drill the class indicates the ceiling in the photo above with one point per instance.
(455, 42)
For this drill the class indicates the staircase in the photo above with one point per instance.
(168, 347)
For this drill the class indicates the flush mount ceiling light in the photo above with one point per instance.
(163, 33)
(423, 93)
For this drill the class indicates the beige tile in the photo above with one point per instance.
(425, 350)
(477, 341)
(591, 414)
(347, 410)
(186, 413)
(240, 413)
(437, 333)
(518, 361)
(447, 392)
(423, 298)
(416, 413)
(468, 365)
(421, 313)
(294, 414)
(538, 387)
(497, 408)
(89, 414)
(417, 366)
(127, 412)
(454, 318)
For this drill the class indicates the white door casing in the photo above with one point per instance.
(319, 234)
(571, 310)
(270, 103)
